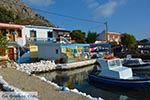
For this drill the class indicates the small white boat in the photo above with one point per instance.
(136, 63)
(111, 72)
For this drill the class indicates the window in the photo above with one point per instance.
(12, 31)
(4, 32)
(108, 37)
(19, 33)
(32, 33)
(118, 63)
(114, 63)
(56, 51)
(50, 34)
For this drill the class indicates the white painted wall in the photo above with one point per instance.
(48, 51)
(40, 32)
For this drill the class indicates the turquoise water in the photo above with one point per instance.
(78, 79)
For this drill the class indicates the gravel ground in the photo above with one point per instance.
(45, 91)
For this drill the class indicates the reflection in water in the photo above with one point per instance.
(78, 79)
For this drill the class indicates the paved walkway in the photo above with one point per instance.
(30, 83)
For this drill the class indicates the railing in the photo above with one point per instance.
(51, 40)
(29, 40)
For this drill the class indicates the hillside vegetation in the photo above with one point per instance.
(15, 11)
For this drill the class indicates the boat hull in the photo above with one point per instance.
(136, 65)
(140, 67)
(135, 84)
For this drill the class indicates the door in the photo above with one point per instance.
(11, 53)
(49, 35)
(33, 35)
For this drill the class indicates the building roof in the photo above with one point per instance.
(60, 30)
(113, 33)
(39, 27)
(10, 25)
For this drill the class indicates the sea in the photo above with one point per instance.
(78, 78)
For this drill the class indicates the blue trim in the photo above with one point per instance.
(39, 27)
(50, 39)
(122, 83)
(13, 32)
(73, 46)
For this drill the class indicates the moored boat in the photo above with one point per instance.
(111, 73)
(136, 63)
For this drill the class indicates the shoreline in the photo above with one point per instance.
(45, 88)
(47, 66)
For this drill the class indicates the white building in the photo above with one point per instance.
(44, 34)
(53, 51)
(49, 51)
(22, 35)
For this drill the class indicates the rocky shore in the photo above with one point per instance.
(45, 66)
(42, 66)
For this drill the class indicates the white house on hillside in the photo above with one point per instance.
(44, 34)
(36, 33)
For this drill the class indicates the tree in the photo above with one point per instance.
(78, 36)
(6, 16)
(128, 40)
(91, 37)
(113, 44)
(144, 41)
(3, 44)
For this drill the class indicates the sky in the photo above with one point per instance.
(130, 16)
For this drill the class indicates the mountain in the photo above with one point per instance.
(17, 12)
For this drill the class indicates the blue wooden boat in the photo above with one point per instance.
(111, 73)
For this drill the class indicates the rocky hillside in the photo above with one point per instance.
(17, 12)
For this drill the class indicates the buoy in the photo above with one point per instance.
(109, 57)
(63, 88)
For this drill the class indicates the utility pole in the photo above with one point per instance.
(106, 26)
(106, 31)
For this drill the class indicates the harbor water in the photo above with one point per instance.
(78, 78)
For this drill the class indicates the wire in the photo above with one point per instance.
(72, 17)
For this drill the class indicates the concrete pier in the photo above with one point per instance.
(45, 66)
(74, 65)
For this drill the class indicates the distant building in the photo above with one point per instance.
(109, 37)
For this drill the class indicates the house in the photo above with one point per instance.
(61, 52)
(22, 36)
(44, 34)
(62, 35)
(13, 32)
(37, 33)
(109, 37)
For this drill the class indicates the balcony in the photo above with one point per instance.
(34, 40)
(50, 40)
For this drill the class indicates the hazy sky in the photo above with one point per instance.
(131, 16)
